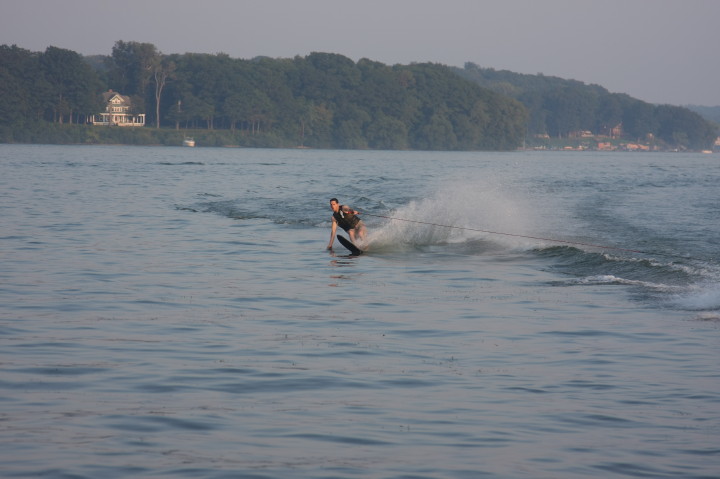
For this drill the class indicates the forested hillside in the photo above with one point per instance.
(322, 100)
(559, 108)
(711, 113)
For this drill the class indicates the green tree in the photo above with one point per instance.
(232, 109)
(351, 122)
(387, 133)
(21, 86)
(437, 133)
(684, 129)
(162, 70)
(73, 83)
(258, 111)
(131, 67)
(639, 120)
(570, 110)
(176, 114)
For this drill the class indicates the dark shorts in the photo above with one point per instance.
(357, 226)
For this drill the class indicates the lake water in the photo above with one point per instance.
(174, 312)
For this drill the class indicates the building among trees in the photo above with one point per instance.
(118, 111)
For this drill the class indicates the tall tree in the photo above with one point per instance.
(21, 85)
(162, 69)
(131, 67)
(74, 84)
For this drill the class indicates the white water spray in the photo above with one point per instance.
(454, 213)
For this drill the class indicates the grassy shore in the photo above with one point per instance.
(53, 133)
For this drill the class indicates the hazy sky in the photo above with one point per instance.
(660, 51)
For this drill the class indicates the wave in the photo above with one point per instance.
(612, 279)
(703, 296)
(257, 209)
(698, 297)
(182, 163)
(684, 284)
(226, 208)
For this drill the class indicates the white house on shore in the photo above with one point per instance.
(118, 111)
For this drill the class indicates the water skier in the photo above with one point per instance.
(347, 219)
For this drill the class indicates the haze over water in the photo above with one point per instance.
(171, 312)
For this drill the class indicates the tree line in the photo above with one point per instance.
(56, 85)
(559, 108)
(322, 100)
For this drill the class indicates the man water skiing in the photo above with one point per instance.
(347, 219)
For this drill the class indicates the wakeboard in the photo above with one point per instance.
(354, 250)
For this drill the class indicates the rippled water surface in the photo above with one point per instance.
(171, 312)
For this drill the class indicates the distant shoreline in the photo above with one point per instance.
(43, 133)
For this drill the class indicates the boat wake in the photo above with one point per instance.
(684, 284)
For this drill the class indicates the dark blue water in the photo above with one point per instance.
(171, 312)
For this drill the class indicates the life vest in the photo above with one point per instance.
(346, 221)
